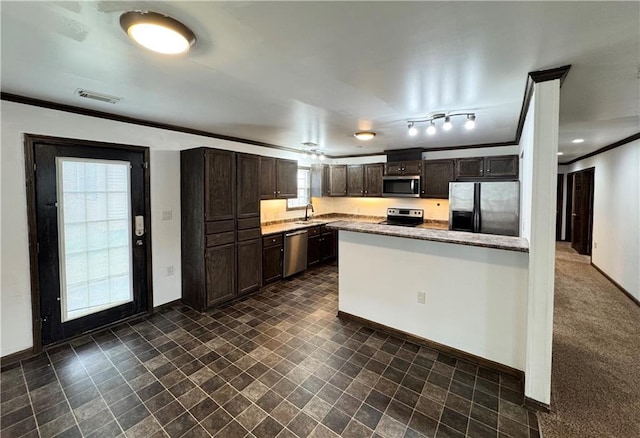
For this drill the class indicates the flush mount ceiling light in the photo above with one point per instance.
(157, 32)
(560, 153)
(365, 135)
(447, 125)
(578, 140)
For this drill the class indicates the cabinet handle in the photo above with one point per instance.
(281, 249)
(274, 240)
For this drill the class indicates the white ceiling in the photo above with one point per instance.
(291, 72)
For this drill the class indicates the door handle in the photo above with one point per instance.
(139, 226)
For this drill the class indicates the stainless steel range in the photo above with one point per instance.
(404, 217)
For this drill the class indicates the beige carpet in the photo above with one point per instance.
(596, 355)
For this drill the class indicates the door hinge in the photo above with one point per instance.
(145, 164)
(34, 167)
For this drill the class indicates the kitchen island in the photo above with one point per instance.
(466, 292)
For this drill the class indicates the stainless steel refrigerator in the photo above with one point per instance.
(485, 207)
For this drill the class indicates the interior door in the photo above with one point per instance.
(581, 211)
(91, 221)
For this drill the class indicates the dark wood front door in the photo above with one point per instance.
(582, 213)
(92, 234)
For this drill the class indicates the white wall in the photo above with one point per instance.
(525, 151)
(17, 119)
(482, 312)
(616, 213)
(544, 111)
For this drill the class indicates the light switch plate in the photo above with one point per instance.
(167, 215)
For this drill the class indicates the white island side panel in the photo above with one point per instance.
(475, 296)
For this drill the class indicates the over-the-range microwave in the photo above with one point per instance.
(401, 186)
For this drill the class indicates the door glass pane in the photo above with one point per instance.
(94, 229)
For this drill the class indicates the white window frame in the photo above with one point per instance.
(304, 187)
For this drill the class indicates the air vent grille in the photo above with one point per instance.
(97, 96)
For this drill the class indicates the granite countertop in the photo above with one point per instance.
(283, 227)
(437, 235)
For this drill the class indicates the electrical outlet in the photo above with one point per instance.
(595, 245)
(169, 271)
(167, 215)
(421, 298)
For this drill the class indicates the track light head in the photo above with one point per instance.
(471, 121)
(431, 129)
(412, 129)
(447, 125)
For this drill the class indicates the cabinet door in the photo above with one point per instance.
(436, 177)
(220, 185)
(469, 167)
(319, 180)
(412, 168)
(286, 179)
(504, 166)
(373, 179)
(313, 250)
(267, 178)
(393, 168)
(328, 247)
(355, 180)
(272, 263)
(248, 183)
(220, 266)
(338, 180)
(249, 265)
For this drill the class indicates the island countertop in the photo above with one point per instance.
(508, 243)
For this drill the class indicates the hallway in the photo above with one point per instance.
(596, 355)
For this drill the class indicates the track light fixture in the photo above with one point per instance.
(447, 125)
(312, 152)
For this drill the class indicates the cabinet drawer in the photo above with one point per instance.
(219, 227)
(272, 240)
(220, 239)
(254, 233)
(315, 231)
(251, 222)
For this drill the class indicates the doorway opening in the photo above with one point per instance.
(89, 235)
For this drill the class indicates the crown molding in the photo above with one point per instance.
(618, 143)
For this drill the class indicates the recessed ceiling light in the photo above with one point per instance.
(578, 140)
(157, 32)
(560, 153)
(364, 135)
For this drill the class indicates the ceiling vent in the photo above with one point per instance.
(97, 96)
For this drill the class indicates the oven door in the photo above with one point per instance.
(401, 186)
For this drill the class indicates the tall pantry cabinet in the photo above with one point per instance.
(221, 238)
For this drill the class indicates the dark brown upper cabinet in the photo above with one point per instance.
(320, 180)
(503, 167)
(373, 179)
(248, 186)
(286, 178)
(267, 178)
(436, 176)
(338, 180)
(403, 168)
(355, 180)
(219, 180)
(278, 178)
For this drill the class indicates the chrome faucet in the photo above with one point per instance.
(306, 211)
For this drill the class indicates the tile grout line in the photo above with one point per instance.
(26, 385)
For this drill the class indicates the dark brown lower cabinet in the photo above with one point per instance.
(272, 252)
(220, 262)
(313, 250)
(328, 245)
(249, 265)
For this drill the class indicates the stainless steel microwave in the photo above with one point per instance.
(401, 186)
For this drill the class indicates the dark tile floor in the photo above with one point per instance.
(276, 364)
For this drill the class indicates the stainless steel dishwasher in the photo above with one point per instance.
(295, 252)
